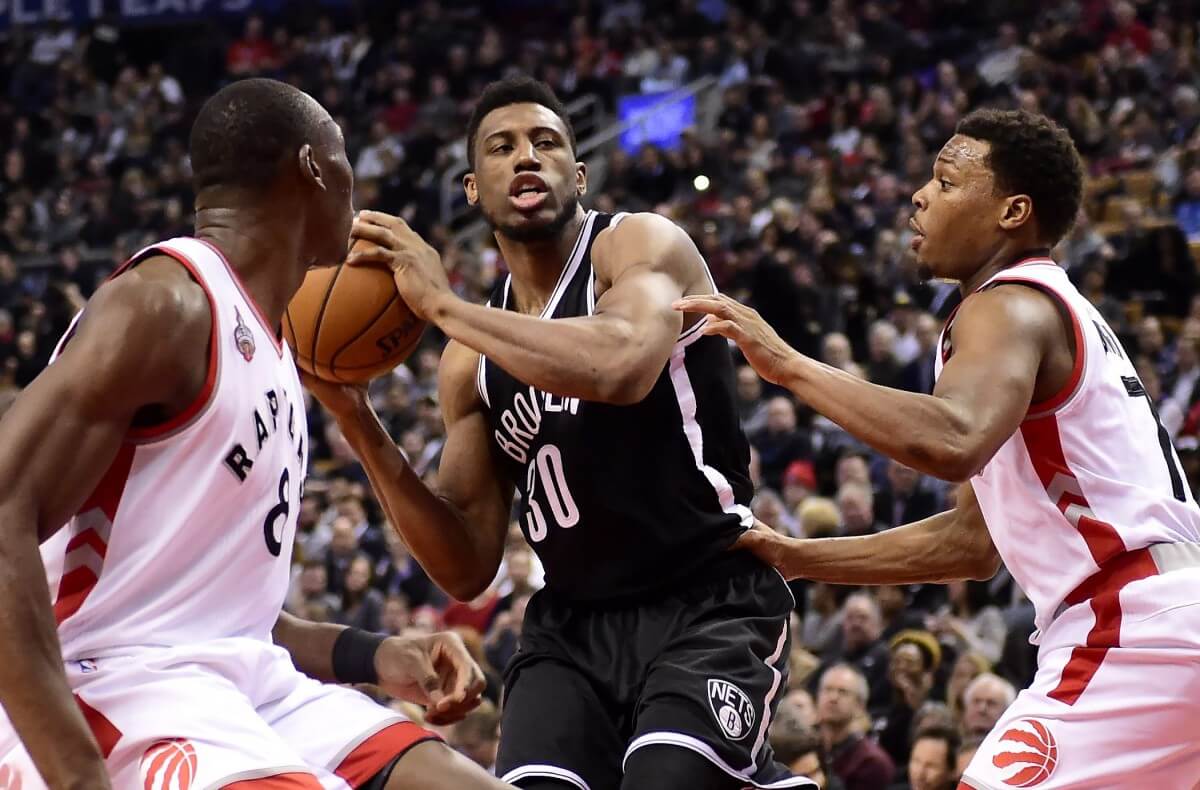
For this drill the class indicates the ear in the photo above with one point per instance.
(1018, 210)
(309, 169)
(580, 179)
(471, 187)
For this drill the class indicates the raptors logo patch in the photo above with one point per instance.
(243, 337)
(731, 707)
(169, 765)
(1030, 750)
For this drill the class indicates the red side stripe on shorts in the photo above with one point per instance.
(103, 730)
(374, 753)
(294, 780)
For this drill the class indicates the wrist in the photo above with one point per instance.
(354, 656)
(795, 370)
(440, 306)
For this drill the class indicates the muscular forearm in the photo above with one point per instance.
(33, 686)
(924, 432)
(310, 645)
(936, 549)
(590, 358)
(435, 532)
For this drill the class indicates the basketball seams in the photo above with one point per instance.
(316, 327)
(333, 365)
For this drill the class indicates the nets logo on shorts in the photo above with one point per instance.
(169, 765)
(1035, 753)
(731, 707)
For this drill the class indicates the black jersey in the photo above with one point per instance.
(622, 501)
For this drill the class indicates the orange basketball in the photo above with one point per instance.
(348, 323)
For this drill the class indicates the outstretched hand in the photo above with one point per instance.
(763, 348)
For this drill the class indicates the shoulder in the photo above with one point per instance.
(1008, 311)
(645, 238)
(457, 370)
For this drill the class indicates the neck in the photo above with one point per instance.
(1009, 253)
(833, 733)
(265, 253)
(537, 265)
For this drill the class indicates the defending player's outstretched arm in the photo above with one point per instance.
(142, 344)
(949, 546)
(457, 533)
(1001, 338)
(612, 356)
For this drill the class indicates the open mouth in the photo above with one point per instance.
(528, 192)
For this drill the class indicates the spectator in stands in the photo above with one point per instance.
(914, 659)
(933, 761)
(967, 667)
(478, 736)
(971, 622)
(1187, 207)
(917, 375)
(856, 506)
(842, 717)
(799, 747)
(861, 646)
(780, 442)
(984, 701)
(906, 497)
(361, 605)
(311, 587)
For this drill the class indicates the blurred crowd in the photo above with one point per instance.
(830, 113)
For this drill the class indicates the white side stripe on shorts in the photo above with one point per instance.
(547, 771)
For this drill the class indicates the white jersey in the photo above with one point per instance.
(188, 536)
(1090, 475)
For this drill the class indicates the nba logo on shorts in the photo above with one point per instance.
(1030, 750)
(731, 707)
(169, 765)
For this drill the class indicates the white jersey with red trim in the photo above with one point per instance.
(188, 536)
(1091, 473)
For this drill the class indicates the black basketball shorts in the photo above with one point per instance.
(700, 668)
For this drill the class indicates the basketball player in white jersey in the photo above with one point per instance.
(158, 462)
(1038, 410)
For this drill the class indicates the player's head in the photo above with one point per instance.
(260, 142)
(521, 150)
(1007, 181)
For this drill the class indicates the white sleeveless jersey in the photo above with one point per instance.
(1090, 474)
(188, 536)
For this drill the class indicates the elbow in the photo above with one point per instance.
(624, 385)
(956, 459)
(986, 564)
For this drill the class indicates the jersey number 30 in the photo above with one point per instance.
(547, 468)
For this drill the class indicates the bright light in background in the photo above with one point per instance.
(701, 183)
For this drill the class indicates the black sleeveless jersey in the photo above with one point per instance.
(622, 501)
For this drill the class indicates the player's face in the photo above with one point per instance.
(958, 212)
(334, 204)
(526, 180)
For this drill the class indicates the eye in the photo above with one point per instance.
(503, 148)
(546, 143)
(945, 184)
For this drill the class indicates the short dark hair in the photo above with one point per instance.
(792, 740)
(947, 735)
(1031, 154)
(246, 130)
(514, 90)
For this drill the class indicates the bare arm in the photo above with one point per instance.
(58, 439)
(612, 356)
(1000, 340)
(950, 546)
(457, 532)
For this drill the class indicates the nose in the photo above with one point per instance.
(918, 200)
(527, 158)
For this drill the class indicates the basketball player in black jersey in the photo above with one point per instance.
(654, 657)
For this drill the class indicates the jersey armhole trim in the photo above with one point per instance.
(1064, 395)
(204, 397)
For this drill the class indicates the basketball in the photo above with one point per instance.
(348, 324)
